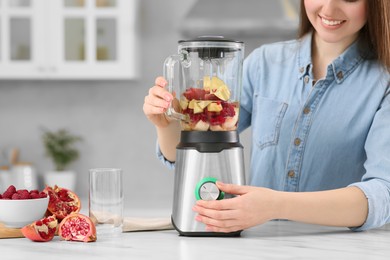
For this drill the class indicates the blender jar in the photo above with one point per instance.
(210, 79)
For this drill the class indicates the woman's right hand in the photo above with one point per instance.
(157, 102)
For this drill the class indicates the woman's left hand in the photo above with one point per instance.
(252, 206)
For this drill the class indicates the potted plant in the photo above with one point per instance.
(60, 148)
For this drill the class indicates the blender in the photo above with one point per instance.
(207, 95)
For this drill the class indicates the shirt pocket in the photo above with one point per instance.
(268, 117)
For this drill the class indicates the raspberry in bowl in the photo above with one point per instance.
(21, 207)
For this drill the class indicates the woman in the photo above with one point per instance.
(319, 108)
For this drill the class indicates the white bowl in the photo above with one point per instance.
(18, 213)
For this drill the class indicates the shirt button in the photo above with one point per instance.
(306, 79)
(340, 75)
(291, 174)
(301, 69)
(306, 110)
(297, 141)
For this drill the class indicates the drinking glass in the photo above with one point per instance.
(106, 200)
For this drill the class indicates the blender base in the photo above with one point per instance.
(206, 233)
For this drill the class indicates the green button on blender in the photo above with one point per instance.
(206, 189)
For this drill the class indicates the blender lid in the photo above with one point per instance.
(211, 47)
(211, 38)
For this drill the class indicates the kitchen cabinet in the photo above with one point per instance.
(68, 39)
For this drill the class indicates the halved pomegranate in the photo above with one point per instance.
(62, 202)
(42, 230)
(77, 227)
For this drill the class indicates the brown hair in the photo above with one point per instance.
(376, 32)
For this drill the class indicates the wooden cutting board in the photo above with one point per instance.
(9, 232)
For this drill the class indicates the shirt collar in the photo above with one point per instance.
(341, 67)
(304, 55)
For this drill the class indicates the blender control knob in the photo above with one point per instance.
(206, 189)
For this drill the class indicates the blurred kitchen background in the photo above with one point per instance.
(86, 66)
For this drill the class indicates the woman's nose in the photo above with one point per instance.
(329, 8)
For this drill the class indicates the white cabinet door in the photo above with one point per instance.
(20, 52)
(70, 39)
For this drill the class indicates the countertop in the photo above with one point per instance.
(272, 240)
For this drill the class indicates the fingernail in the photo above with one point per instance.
(168, 98)
(198, 218)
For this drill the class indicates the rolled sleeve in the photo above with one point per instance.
(377, 194)
(375, 182)
(160, 156)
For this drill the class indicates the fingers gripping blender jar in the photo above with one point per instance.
(207, 105)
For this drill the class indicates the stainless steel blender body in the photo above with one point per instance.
(200, 164)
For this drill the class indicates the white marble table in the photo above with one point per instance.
(273, 240)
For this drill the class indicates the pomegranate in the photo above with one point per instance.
(42, 230)
(77, 227)
(62, 202)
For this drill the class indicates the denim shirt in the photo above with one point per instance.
(325, 135)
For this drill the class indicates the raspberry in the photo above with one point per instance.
(42, 194)
(25, 196)
(35, 196)
(1, 196)
(7, 195)
(11, 188)
(34, 191)
(16, 196)
(9, 192)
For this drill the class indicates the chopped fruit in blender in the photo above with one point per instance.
(183, 103)
(197, 108)
(214, 82)
(195, 93)
(217, 87)
(185, 126)
(208, 108)
(203, 103)
(191, 104)
(198, 105)
(214, 107)
(216, 128)
(230, 122)
(222, 92)
(211, 97)
(201, 126)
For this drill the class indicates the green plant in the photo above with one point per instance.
(59, 146)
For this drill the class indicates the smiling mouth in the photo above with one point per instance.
(331, 22)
